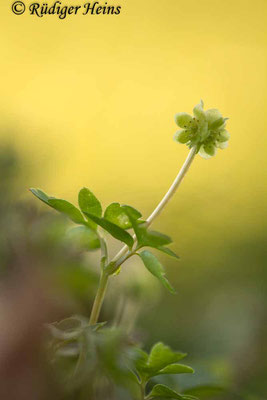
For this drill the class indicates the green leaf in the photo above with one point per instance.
(138, 226)
(68, 209)
(161, 356)
(41, 195)
(155, 268)
(168, 251)
(85, 237)
(116, 214)
(135, 214)
(153, 238)
(175, 369)
(148, 238)
(165, 392)
(114, 230)
(90, 204)
(161, 361)
(141, 358)
(60, 205)
(134, 376)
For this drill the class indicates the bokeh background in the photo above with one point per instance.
(89, 101)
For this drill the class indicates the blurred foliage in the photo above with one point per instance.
(34, 237)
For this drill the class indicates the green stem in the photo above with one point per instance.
(102, 287)
(172, 190)
(142, 391)
(174, 186)
(104, 252)
(99, 298)
(124, 253)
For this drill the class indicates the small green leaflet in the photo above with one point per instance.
(114, 230)
(148, 238)
(168, 251)
(175, 369)
(60, 205)
(141, 358)
(41, 195)
(68, 209)
(116, 214)
(161, 356)
(155, 268)
(90, 204)
(135, 214)
(162, 360)
(133, 219)
(165, 392)
(132, 213)
(155, 240)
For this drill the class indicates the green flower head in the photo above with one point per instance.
(205, 130)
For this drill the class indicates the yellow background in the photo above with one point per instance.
(90, 101)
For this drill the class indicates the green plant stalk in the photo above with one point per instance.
(124, 253)
(100, 295)
(172, 190)
(142, 391)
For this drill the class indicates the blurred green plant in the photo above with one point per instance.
(105, 354)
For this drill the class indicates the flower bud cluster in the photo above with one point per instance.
(205, 130)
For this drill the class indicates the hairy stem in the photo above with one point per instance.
(124, 253)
